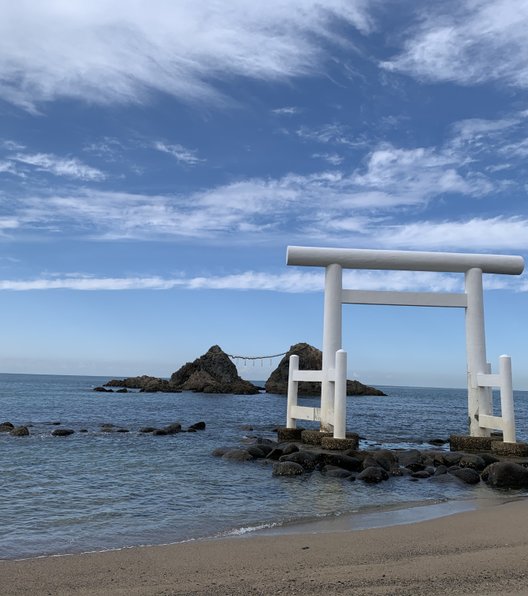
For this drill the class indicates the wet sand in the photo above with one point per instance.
(484, 551)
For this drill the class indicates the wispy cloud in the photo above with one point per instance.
(332, 158)
(286, 111)
(120, 52)
(180, 153)
(333, 134)
(468, 43)
(59, 166)
(292, 281)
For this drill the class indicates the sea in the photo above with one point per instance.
(98, 490)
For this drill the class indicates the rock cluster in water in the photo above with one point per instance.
(213, 372)
(107, 427)
(310, 358)
(376, 466)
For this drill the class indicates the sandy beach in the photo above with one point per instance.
(484, 551)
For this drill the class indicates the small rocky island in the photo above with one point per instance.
(310, 358)
(214, 372)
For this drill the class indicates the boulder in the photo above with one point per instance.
(473, 461)
(62, 432)
(467, 475)
(289, 448)
(411, 459)
(335, 472)
(310, 358)
(506, 474)
(237, 455)
(307, 460)
(287, 468)
(140, 383)
(173, 428)
(103, 390)
(6, 427)
(198, 425)
(373, 475)
(19, 431)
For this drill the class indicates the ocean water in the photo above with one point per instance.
(97, 490)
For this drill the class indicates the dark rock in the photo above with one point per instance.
(122, 390)
(256, 452)
(488, 458)
(353, 464)
(373, 475)
(192, 430)
(467, 475)
(451, 458)
(266, 449)
(335, 472)
(198, 425)
(83, 430)
(384, 458)
(314, 437)
(421, 474)
(411, 459)
(55, 423)
(237, 455)
(275, 453)
(122, 430)
(219, 451)
(307, 460)
(287, 468)
(142, 382)
(310, 358)
(437, 442)
(473, 461)
(212, 373)
(289, 434)
(173, 428)
(62, 432)
(6, 427)
(159, 432)
(440, 470)
(19, 431)
(506, 474)
(290, 448)
(147, 429)
(103, 390)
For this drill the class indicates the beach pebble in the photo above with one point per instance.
(287, 468)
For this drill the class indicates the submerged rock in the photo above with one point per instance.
(506, 474)
(19, 431)
(310, 358)
(6, 427)
(62, 432)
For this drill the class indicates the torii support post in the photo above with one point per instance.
(332, 325)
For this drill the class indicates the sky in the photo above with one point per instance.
(157, 158)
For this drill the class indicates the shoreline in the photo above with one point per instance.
(481, 550)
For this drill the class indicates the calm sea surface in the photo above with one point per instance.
(96, 490)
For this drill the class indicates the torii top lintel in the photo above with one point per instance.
(402, 260)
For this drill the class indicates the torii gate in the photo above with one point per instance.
(332, 414)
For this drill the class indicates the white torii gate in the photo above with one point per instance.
(332, 414)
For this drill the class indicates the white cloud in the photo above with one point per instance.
(180, 153)
(497, 233)
(468, 43)
(59, 166)
(332, 158)
(292, 281)
(333, 134)
(286, 111)
(8, 167)
(119, 52)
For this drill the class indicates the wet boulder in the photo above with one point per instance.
(373, 475)
(473, 461)
(287, 468)
(467, 475)
(306, 459)
(6, 427)
(237, 455)
(506, 474)
(19, 431)
(62, 432)
(335, 472)
(198, 425)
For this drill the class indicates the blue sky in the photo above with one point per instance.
(156, 158)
